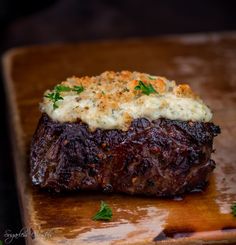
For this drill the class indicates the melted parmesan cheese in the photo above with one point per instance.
(110, 101)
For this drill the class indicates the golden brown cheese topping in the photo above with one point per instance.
(113, 99)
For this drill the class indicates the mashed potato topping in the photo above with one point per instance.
(113, 99)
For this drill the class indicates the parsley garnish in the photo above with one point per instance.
(62, 88)
(78, 89)
(145, 88)
(55, 95)
(105, 212)
(233, 209)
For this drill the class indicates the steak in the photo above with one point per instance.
(157, 158)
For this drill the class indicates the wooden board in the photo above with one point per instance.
(207, 62)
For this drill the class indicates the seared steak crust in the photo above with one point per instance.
(161, 158)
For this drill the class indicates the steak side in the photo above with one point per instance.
(160, 158)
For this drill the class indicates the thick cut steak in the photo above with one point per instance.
(160, 158)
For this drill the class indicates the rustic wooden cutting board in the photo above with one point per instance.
(207, 62)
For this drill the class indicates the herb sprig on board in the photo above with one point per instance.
(55, 96)
(105, 212)
(145, 88)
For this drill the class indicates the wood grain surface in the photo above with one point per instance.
(207, 62)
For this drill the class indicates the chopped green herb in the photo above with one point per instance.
(105, 212)
(54, 97)
(126, 90)
(145, 88)
(233, 209)
(78, 89)
(62, 88)
(103, 92)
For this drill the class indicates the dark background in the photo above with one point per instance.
(26, 22)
